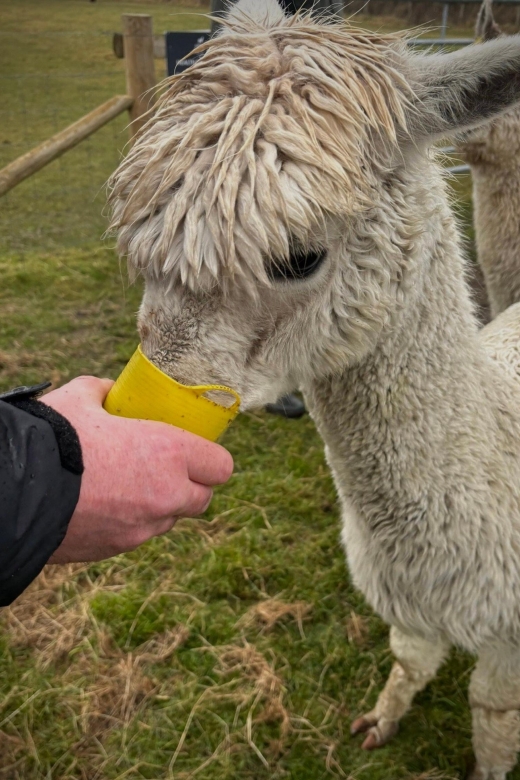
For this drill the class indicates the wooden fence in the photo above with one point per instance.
(140, 82)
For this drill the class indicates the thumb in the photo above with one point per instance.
(92, 388)
(86, 390)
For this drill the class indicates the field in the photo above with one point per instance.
(234, 647)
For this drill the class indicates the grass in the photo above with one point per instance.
(234, 647)
(56, 64)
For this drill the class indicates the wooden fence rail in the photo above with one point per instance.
(54, 147)
(140, 81)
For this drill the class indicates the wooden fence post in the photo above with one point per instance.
(140, 67)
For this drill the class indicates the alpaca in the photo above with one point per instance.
(294, 230)
(493, 153)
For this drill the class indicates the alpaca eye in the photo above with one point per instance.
(300, 265)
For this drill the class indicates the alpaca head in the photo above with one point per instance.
(265, 203)
(494, 143)
(486, 28)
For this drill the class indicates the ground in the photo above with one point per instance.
(235, 646)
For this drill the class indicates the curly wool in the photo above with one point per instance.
(493, 153)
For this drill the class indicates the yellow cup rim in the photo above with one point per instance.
(143, 391)
(198, 390)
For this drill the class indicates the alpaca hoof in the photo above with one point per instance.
(485, 774)
(360, 725)
(379, 732)
(379, 735)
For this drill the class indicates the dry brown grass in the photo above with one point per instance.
(253, 685)
(15, 364)
(12, 750)
(357, 629)
(51, 617)
(212, 532)
(103, 685)
(106, 687)
(114, 685)
(268, 613)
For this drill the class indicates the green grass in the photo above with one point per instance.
(234, 647)
(57, 64)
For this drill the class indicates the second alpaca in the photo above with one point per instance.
(493, 152)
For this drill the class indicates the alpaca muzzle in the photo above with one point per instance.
(143, 391)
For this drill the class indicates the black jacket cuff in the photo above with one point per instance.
(40, 480)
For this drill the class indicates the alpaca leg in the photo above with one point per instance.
(416, 664)
(494, 696)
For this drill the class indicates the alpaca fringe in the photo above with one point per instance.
(266, 113)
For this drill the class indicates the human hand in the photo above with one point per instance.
(139, 477)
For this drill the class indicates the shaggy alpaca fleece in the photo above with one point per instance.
(293, 230)
(493, 152)
(227, 140)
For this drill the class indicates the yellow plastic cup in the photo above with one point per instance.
(143, 391)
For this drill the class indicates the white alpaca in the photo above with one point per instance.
(493, 152)
(293, 230)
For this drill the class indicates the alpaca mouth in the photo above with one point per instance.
(145, 392)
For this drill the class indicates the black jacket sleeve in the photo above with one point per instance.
(40, 479)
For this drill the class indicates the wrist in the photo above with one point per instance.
(67, 439)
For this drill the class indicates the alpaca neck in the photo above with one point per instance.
(394, 422)
(496, 198)
(422, 438)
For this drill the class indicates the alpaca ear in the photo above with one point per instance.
(486, 28)
(465, 88)
(266, 13)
